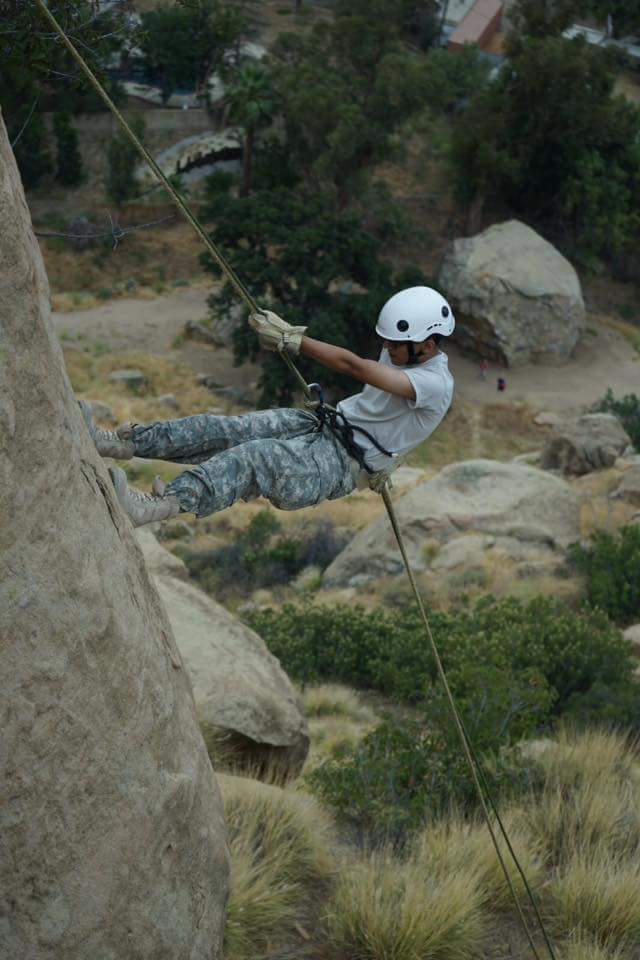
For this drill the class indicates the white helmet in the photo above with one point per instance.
(414, 314)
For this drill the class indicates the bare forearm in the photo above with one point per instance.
(335, 358)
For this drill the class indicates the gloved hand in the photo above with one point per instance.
(275, 333)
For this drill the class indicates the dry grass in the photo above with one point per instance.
(280, 848)
(89, 372)
(590, 798)
(599, 896)
(337, 718)
(383, 908)
(144, 265)
(495, 432)
(333, 700)
(584, 948)
(458, 847)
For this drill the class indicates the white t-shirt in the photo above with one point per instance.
(399, 424)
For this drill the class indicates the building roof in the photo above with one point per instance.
(477, 22)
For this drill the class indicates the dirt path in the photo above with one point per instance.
(151, 326)
(603, 359)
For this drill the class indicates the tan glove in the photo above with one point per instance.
(275, 333)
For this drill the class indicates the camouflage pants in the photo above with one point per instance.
(278, 454)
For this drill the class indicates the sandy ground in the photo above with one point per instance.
(603, 359)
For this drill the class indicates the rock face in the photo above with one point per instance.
(238, 685)
(629, 488)
(468, 508)
(516, 299)
(113, 839)
(587, 443)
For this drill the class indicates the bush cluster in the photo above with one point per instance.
(626, 409)
(513, 668)
(611, 567)
(387, 650)
(262, 556)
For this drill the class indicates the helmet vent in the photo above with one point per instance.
(445, 312)
(402, 325)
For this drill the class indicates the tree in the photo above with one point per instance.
(316, 267)
(343, 91)
(544, 18)
(625, 14)
(69, 162)
(250, 100)
(549, 138)
(183, 43)
(122, 159)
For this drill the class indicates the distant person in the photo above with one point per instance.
(484, 366)
(296, 458)
(502, 384)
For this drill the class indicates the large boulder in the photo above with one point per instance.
(113, 839)
(517, 300)
(239, 687)
(468, 508)
(584, 444)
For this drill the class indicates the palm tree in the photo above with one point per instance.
(250, 101)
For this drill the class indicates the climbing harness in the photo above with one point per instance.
(344, 432)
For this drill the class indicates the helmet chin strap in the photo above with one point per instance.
(413, 356)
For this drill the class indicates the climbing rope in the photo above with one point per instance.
(480, 782)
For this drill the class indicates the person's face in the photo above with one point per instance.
(399, 351)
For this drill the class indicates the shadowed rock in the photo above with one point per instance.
(239, 687)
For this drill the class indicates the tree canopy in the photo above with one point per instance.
(182, 43)
(550, 138)
(318, 267)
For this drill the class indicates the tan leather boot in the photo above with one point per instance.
(109, 443)
(142, 507)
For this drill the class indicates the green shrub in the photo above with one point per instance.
(627, 410)
(263, 556)
(611, 566)
(388, 650)
(407, 771)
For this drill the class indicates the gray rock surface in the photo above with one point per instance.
(531, 515)
(133, 379)
(629, 488)
(587, 443)
(516, 299)
(238, 685)
(113, 841)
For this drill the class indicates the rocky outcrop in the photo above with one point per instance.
(516, 299)
(629, 488)
(520, 513)
(238, 685)
(587, 443)
(113, 839)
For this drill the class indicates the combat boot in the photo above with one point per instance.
(109, 443)
(142, 507)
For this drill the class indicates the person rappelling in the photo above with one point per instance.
(299, 457)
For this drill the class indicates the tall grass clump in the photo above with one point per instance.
(454, 845)
(598, 895)
(384, 908)
(280, 848)
(580, 947)
(588, 796)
